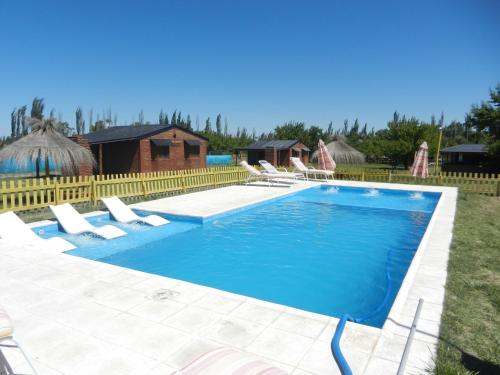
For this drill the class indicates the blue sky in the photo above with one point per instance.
(259, 63)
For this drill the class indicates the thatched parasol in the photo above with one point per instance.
(45, 142)
(342, 153)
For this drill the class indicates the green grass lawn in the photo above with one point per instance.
(470, 326)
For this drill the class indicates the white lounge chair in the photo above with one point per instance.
(7, 341)
(14, 230)
(74, 223)
(256, 175)
(269, 168)
(122, 213)
(299, 166)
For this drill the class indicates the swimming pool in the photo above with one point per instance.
(325, 249)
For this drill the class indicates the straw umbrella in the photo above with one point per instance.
(45, 142)
(342, 153)
(420, 167)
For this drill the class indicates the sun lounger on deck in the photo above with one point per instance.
(271, 169)
(122, 213)
(14, 230)
(74, 223)
(299, 166)
(256, 175)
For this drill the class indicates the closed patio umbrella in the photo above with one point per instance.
(420, 167)
(325, 160)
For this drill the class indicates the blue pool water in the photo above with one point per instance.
(324, 250)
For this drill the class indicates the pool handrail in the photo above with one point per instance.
(335, 343)
(409, 341)
(335, 346)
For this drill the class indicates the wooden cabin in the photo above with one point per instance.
(146, 148)
(464, 158)
(276, 152)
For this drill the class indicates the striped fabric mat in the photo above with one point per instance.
(225, 361)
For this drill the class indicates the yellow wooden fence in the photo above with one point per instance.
(29, 194)
(478, 183)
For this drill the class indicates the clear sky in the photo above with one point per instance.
(259, 63)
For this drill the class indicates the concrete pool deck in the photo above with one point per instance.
(77, 316)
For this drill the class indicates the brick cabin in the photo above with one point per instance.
(145, 148)
(276, 152)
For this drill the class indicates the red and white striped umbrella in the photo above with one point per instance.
(325, 160)
(420, 167)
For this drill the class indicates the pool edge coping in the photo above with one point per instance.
(450, 193)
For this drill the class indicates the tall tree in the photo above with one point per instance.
(208, 126)
(13, 123)
(109, 116)
(79, 121)
(345, 131)
(218, 124)
(19, 131)
(330, 129)
(91, 120)
(364, 131)
(174, 118)
(189, 126)
(226, 130)
(141, 117)
(179, 119)
(22, 117)
(37, 108)
(486, 117)
(161, 118)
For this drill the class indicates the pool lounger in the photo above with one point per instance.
(299, 166)
(254, 174)
(14, 230)
(122, 213)
(74, 223)
(271, 169)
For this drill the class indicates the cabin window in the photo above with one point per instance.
(160, 148)
(295, 152)
(191, 148)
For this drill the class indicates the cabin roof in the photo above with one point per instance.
(278, 144)
(467, 148)
(131, 132)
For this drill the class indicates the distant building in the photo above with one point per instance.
(146, 148)
(276, 152)
(464, 158)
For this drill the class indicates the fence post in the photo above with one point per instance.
(56, 191)
(143, 185)
(183, 182)
(363, 176)
(94, 191)
(390, 176)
